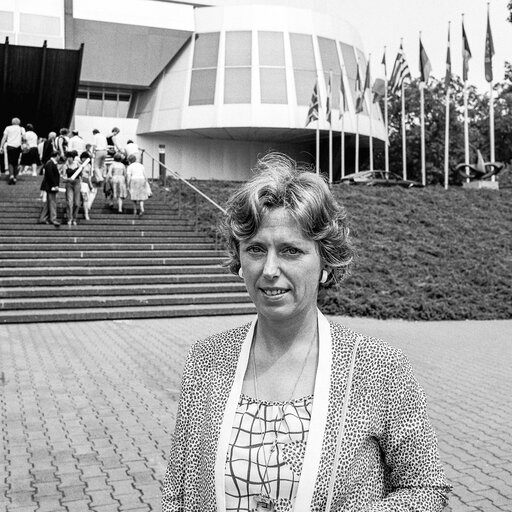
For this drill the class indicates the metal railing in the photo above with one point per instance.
(177, 188)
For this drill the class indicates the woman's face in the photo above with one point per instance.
(281, 268)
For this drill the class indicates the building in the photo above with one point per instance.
(216, 85)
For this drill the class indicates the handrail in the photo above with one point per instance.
(178, 176)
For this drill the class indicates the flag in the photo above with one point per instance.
(383, 62)
(466, 54)
(358, 90)
(448, 75)
(400, 72)
(313, 105)
(378, 89)
(361, 93)
(425, 66)
(489, 50)
(328, 103)
(343, 96)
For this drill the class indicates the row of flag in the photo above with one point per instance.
(399, 75)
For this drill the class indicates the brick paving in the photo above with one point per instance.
(87, 408)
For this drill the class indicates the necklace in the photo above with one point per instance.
(263, 500)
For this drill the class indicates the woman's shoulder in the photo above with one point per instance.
(223, 341)
(376, 350)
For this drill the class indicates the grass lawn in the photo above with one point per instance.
(422, 254)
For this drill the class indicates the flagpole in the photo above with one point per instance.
(447, 138)
(343, 145)
(491, 90)
(370, 113)
(404, 149)
(330, 126)
(357, 143)
(386, 142)
(466, 121)
(318, 143)
(422, 121)
(447, 114)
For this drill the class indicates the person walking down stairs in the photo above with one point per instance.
(138, 185)
(87, 188)
(50, 185)
(71, 173)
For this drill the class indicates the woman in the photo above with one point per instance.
(117, 177)
(138, 185)
(292, 412)
(72, 177)
(31, 157)
(87, 188)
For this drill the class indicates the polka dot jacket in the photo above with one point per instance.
(388, 459)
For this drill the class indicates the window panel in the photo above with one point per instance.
(81, 107)
(35, 24)
(329, 55)
(206, 50)
(95, 107)
(110, 107)
(304, 83)
(349, 60)
(122, 108)
(271, 48)
(273, 85)
(238, 49)
(303, 55)
(6, 21)
(237, 85)
(335, 87)
(202, 87)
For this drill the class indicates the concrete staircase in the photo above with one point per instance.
(111, 267)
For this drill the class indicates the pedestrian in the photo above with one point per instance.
(14, 136)
(87, 188)
(30, 158)
(100, 154)
(73, 179)
(49, 147)
(50, 185)
(132, 148)
(117, 175)
(292, 411)
(62, 142)
(138, 186)
(76, 143)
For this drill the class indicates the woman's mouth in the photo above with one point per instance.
(273, 292)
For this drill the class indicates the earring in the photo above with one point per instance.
(324, 277)
(241, 273)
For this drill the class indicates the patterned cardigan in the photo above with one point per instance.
(378, 440)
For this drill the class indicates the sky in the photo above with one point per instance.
(384, 22)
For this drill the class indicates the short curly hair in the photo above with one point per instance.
(280, 182)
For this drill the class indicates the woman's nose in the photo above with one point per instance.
(271, 269)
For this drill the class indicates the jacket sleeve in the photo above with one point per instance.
(173, 493)
(410, 449)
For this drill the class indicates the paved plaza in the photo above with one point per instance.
(88, 407)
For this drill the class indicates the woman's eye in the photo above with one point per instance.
(254, 249)
(292, 250)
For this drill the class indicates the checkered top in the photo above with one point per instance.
(266, 452)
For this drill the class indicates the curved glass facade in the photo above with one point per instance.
(255, 63)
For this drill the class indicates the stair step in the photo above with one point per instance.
(142, 288)
(145, 278)
(129, 245)
(73, 254)
(78, 314)
(107, 262)
(49, 233)
(122, 300)
(129, 226)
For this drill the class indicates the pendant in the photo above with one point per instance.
(264, 503)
